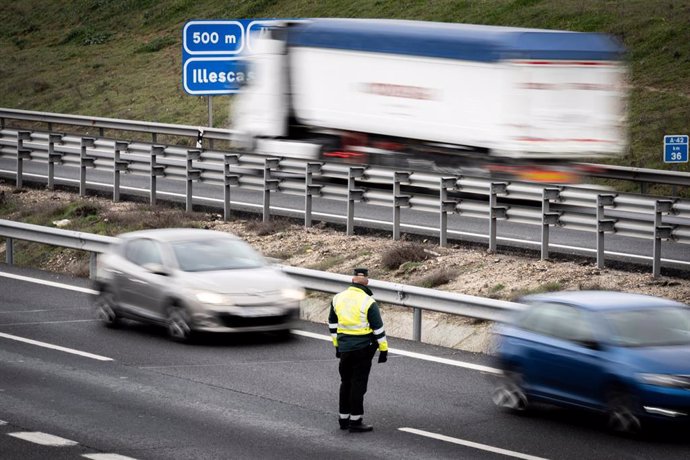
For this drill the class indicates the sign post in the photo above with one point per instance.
(675, 151)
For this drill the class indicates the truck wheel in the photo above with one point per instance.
(508, 392)
(178, 324)
(106, 309)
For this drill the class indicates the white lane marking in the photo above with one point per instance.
(50, 322)
(55, 347)
(474, 445)
(411, 354)
(43, 439)
(48, 283)
(2, 422)
(40, 311)
(107, 457)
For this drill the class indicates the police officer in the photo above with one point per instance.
(357, 330)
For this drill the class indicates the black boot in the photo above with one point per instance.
(344, 423)
(358, 426)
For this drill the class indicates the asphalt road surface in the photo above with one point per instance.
(71, 388)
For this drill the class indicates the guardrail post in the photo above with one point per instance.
(229, 180)
(269, 185)
(119, 166)
(22, 154)
(192, 175)
(156, 170)
(310, 190)
(84, 162)
(93, 264)
(660, 231)
(417, 324)
(495, 212)
(603, 225)
(9, 251)
(53, 157)
(445, 206)
(353, 194)
(547, 218)
(399, 200)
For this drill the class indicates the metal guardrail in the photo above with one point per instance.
(199, 133)
(414, 297)
(570, 207)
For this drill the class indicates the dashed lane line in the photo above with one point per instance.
(107, 457)
(473, 445)
(43, 439)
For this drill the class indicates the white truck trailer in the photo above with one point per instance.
(521, 103)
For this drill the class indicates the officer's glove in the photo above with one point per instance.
(383, 356)
(337, 352)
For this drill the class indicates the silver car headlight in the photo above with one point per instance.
(293, 293)
(663, 380)
(211, 298)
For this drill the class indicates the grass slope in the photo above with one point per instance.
(122, 58)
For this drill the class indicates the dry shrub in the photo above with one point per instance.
(394, 257)
(436, 278)
(261, 228)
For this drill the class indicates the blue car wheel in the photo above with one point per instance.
(508, 392)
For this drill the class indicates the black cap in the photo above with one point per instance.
(361, 272)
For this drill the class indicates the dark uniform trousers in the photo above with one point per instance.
(354, 375)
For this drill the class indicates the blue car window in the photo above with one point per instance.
(650, 327)
(558, 320)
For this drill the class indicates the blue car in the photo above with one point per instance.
(626, 355)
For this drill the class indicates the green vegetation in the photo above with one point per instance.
(551, 286)
(122, 58)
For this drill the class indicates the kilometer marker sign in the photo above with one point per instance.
(676, 149)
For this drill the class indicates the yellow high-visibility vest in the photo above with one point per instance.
(352, 307)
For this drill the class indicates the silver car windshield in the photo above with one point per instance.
(216, 254)
(650, 327)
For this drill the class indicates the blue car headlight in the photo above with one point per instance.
(664, 380)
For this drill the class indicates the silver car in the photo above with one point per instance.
(193, 280)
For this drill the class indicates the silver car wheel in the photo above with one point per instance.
(508, 393)
(621, 414)
(105, 309)
(178, 324)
